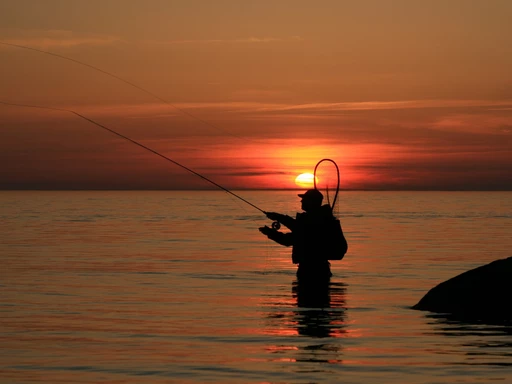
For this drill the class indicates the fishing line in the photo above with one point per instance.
(338, 183)
(184, 112)
(139, 144)
(124, 81)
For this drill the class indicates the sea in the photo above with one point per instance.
(181, 287)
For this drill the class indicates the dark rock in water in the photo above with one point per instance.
(483, 293)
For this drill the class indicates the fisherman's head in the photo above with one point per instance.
(311, 199)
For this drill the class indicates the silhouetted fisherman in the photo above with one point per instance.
(316, 237)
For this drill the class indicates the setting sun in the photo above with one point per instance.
(305, 180)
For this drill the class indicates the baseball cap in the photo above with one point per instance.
(313, 194)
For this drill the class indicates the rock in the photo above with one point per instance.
(483, 293)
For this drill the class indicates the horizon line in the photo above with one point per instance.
(242, 189)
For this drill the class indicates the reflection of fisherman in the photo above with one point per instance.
(316, 236)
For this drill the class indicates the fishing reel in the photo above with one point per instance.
(276, 225)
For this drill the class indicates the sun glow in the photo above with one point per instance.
(305, 180)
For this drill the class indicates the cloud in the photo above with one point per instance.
(327, 111)
(254, 106)
(475, 123)
(223, 172)
(247, 40)
(45, 39)
(307, 110)
(388, 105)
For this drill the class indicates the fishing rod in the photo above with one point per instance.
(136, 143)
(205, 122)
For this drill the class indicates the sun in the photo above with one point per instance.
(305, 180)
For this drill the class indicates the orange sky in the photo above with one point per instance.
(401, 94)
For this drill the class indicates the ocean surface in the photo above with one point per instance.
(180, 287)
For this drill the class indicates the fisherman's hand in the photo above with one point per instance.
(273, 215)
(266, 230)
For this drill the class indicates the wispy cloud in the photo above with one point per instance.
(387, 105)
(475, 123)
(45, 39)
(246, 40)
(418, 122)
(250, 106)
(64, 39)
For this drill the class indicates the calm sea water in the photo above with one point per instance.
(180, 287)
